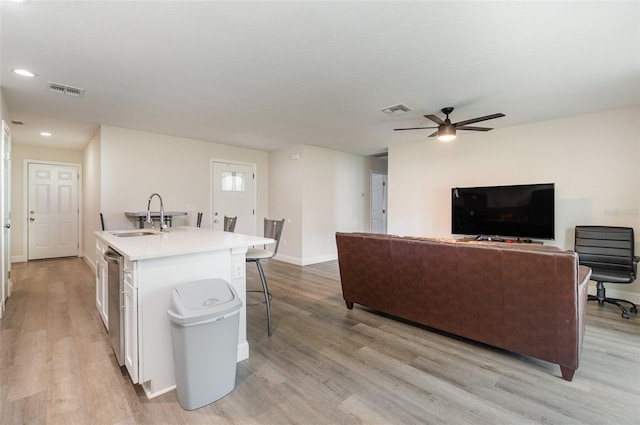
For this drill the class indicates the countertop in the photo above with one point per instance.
(177, 241)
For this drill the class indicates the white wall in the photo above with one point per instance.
(4, 109)
(285, 199)
(91, 203)
(321, 192)
(593, 160)
(134, 164)
(336, 198)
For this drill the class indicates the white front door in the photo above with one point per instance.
(5, 216)
(52, 211)
(378, 203)
(234, 195)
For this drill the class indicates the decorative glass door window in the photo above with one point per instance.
(233, 181)
(233, 189)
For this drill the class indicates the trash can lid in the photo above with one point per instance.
(202, 301)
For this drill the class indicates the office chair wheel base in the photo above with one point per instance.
(625, 315)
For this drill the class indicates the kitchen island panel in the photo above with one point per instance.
(156, 264)
(156, 280)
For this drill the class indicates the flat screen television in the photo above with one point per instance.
(521, 211)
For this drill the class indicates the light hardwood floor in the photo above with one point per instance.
(323, 365)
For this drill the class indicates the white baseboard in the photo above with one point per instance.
(91, 265)
(319, 259)
(23, 258)
(613, 291)
(291, 260)
(306, 261)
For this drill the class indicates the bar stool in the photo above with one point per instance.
(273, 230)
(230, 223)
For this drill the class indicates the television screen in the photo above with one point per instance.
(522, 211)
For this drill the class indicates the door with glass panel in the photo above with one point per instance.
(234, 195)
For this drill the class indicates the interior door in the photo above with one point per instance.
(378, 203)
(5, 216)
(52, 211)
(234, 195)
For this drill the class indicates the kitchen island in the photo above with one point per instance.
(153, 265)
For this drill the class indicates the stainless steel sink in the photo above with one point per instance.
(127, 234)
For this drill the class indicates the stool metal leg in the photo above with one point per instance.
(266, 295)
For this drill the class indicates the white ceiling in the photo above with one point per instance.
(266, 75)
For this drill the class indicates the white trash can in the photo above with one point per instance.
(205, 316)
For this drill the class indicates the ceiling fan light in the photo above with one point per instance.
(446, 133)
(447, 138)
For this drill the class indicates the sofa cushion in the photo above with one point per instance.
(480, 277)
(367, 259)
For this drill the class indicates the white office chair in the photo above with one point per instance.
(273, 230)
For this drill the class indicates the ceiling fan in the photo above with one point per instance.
(446, 130)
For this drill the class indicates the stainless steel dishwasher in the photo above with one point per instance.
(115, 290)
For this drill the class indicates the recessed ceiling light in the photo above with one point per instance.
(20, 1)
(24, 72)
(45, 133)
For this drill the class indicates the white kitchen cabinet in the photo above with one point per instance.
(130, 322)
(102, 299)
(154, 265)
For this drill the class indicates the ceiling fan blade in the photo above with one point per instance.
(434, 118)
(472, 120)
(434, 134)
(412, 128)
(465, 127)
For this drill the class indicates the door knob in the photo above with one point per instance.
(32, 219)
(8, 226)
(216, 220)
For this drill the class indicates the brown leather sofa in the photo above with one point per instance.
(524, 298)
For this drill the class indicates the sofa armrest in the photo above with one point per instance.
(584, 274)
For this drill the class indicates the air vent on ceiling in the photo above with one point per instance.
(396, 109)
(62, 89)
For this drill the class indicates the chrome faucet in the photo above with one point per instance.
(163, 226)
